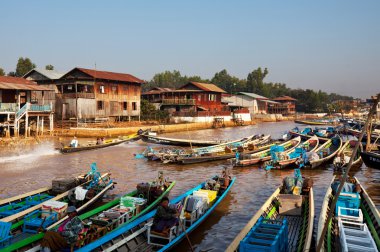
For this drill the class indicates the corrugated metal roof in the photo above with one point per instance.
(255, 96)
(206, 87)
(50, 74)
(109, 75)
(8, 82)
(15, 86)
(284, 98)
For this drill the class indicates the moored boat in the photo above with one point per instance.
(112, 215)
(355, 225)
(138, 236)
(106, 143)
(325, 152)
(298, 155)
(254, 146)
(179, 142)
(265, 155)
(371, 158)
(344, 154)
(283, 223)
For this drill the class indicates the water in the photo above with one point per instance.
(36, 168)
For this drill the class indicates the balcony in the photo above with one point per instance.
(8, 107)
(78, 95)
(178, 101)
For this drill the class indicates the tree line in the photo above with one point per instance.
(307, 100)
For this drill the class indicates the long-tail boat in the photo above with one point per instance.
(253, 146)
(262, 156)
(355, 225)
(139, 236)
(110, 216)
(106, 143)
(298, 155)
(325, 152)
(283, 223)
(344, 154)
(179, 142)
(371, 158)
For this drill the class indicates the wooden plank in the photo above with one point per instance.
(235, 243)
(309, 233)
(18, 197)
(125, 240)
(324, 209)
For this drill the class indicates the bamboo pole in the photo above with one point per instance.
(344, 178)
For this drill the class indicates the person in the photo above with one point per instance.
(66, 234)
(74, 142)
(165, 217)
(98, 141)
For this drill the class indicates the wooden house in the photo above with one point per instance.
(91, 94)
(22, 103)
(191, 99)
(284, 105)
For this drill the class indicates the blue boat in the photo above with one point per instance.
(137, 235)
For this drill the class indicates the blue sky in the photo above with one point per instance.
(328, 45)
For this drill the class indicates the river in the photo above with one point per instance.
(33, 169)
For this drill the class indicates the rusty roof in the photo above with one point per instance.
(8, 82)
(284, 98)
(105, 75)
(206, 87)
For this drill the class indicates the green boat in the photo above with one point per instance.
(104, 219)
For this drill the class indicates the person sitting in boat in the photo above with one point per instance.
(165, 217)
(74, 143)
(99, 141)
(66, 234)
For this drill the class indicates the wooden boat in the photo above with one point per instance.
(136, 236)
(293, 157)
(93, 145)
(344, 154)
(325, 152)
(256, 145)
(262, 156)
(99, 185)
(179, 142)
(315, 122)
(305, 134)
(277, 208)
(98, 216)
(371, 158)
(368, 215)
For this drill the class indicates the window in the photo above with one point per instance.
(102, 89)
(114, 90)
(199, 98)
(100, 105)
(212, 97)
(70, 87)
(125, 105)
(134, 105)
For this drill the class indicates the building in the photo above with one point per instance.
(192, 99)
(22, 103)
(256, 104)
(284, 105)
(47, 78)
(92, 94)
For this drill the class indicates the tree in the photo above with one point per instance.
(24, 66)
(255, 81)
(49, 67)
(2, 73)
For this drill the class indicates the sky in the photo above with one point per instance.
(328, 45)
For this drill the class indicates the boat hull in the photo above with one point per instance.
(371, 159)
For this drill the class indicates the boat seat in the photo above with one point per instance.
(37, 199)
(355, 237)
(350, 214)
(348, 200)
(5, 237)
(34, 220)
(266, 235)
(12, 209)
(157, 236)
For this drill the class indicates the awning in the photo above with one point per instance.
(33, 87)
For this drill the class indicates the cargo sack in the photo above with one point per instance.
(62, 185)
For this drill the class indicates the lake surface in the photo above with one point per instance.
(27, 170)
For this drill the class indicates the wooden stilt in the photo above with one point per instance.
(38, 125)
(51, 124)
(26, 124)
(42, 126)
